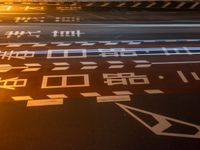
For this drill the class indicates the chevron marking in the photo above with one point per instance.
(163, 123)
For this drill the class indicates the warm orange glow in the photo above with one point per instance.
(21, 8)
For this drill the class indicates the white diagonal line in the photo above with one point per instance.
(166, 5)
(151, 5)
(196, 77)
(180, 5)
(182, 76)
(105, 4)
(121, 4)
(136, 5)
(194, 5)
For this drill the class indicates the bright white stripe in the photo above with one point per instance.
(170, 40)
(87, 44)
(141, 61)
(39, 45)
(151, 5)
(122, 4)
(30, 69)
(60, 68)
(176, 62)
(90, 4)
(192, 40)
(14, 45)
(5, 66)
(128, 41)
(88, 67)
(187, 50)
(180, 5)
(166, 5)
(105, 4)
(88, 63)
(182, 76)
(194, 5)
(136, 5)
(116, 66)
(115, 62)
(154, 91)
(56, 96)
(104, 42)
(196, 77)
(90, 94)
(122, 92)
(60, 63)
(121, 98)
(64, 44)
(109, 43)
(143, 66)
(21, 98)
(166, 51)
(44, 102)
(134, 43)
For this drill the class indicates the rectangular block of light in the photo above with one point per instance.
(88, 67)
(121, 98)
(115, 62)
(57, 96)
(44, 102)
(88, 63)
(39, 45)
(122, 92)
(154, 91)
(14, 45)
(60, 63)
(21, 98)
(87, 44)
(90, 94)
(116, 66)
